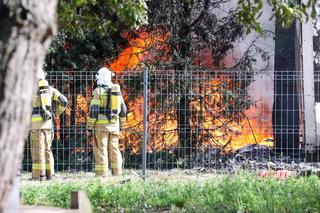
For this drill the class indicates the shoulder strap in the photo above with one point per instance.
(109, 97)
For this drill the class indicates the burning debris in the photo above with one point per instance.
(254, 157)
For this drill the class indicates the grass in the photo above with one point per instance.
(243, 192)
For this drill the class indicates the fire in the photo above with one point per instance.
(162, 128)
(139, 48)
(256, 128)
(82, 107)
(133, 126)
(225, 119)
(57, 122)
(215, 119)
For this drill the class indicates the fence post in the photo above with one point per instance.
(145, 123)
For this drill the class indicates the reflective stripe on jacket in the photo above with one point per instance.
(102, 107)
(37, 119)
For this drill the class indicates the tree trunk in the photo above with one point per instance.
(184, 117)
(184, 78)
(26, 31)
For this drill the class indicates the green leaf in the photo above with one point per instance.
(79, 3)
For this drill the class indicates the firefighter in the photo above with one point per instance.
(48, 102)
(106, 118)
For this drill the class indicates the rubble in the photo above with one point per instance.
(253, 157)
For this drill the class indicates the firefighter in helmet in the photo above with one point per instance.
(48, 102)
(106, 118)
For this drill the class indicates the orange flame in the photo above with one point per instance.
(253, 126)
(139, 48)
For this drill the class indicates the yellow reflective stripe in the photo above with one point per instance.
(35, 166)
(103, 122)
(122, 119)
(95, 102)
(36, 119)
(56, 95)
(48, 167)
(91, 120)
(38, 166)
(100, 167)
(61, 108)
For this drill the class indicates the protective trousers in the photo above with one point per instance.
(105, 150)
(41, 153)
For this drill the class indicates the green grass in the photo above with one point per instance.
(233, 193)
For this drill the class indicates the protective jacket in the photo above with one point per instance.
(107, 110)
(46, 102)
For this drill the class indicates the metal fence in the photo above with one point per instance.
(219, 120)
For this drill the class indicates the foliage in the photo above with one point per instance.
(85, 23)
(285, 11)
(195, 28)
(90, 32)
(77, 17)
(243, 192)
(70, 53)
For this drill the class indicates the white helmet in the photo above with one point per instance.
(103, 76)
(41, 75)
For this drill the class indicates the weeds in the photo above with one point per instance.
(238, 193)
